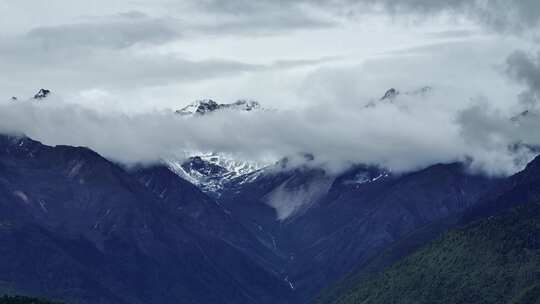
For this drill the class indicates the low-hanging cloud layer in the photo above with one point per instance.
(413, 130)
(318, 62)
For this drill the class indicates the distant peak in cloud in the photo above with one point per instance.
(393, 93)
(41, 94)
(205, 106)
(520, 116)
(390, 94)
(525, 116)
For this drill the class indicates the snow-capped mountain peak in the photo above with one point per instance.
(41, 94)
(210, 171)
(390, 94)
(205, 106)
(199, 107)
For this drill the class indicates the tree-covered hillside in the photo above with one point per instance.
(23, 300)
(496, 260)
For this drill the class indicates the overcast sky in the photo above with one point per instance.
(141, 58)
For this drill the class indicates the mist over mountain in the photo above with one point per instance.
(337, 135)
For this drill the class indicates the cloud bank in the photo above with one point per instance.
(409, 132)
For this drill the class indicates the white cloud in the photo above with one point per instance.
(316, 59)
(408, 133)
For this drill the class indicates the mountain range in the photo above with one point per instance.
(206, 106)
(492, 255)
(213, 229)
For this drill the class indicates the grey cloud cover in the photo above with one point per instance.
(498, 14)
(121, 31)
(127, 48)
(117, 51)
(114, 50)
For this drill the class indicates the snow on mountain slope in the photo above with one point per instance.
(42, 93)
(205, 106)
(210, 171)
